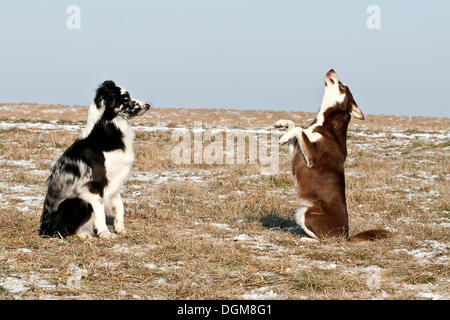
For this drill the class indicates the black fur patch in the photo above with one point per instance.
(71, 214)
(104, 137)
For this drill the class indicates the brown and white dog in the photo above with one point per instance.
(318, 154)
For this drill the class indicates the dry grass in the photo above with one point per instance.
(226, 231)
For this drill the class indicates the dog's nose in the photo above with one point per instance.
(147, 106)
(331, 72)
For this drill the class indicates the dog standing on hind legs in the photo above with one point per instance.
(318, 154)
(90, 173)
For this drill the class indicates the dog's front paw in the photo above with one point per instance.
(106, 235)
(284, 139)
(284, 124)
(120, 230)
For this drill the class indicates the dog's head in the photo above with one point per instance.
(118, 102)
(338, 95)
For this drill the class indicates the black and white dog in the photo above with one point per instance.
(89, 175)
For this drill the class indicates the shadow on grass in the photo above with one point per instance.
(110, 223)
(274, 222)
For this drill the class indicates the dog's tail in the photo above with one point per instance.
(371, 235)
(65, 221)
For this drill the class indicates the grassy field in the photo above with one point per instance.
(198, 231)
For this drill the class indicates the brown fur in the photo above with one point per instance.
(318, 168)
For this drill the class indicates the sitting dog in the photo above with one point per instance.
(90, 173)
(318, 154)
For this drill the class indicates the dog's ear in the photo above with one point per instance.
(356, 112)
(106, 95)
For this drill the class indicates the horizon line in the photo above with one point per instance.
(246, 108)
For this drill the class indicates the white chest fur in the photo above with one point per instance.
(118, 162)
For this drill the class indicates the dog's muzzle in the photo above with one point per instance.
(144, 109)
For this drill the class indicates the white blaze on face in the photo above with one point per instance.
(331, 96)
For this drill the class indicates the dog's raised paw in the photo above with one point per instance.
(284, 139)
(284, 124)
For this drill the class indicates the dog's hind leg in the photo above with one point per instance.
(301, 220)
(117, 204)
(70, 216)
(317, 224)
(86, 231)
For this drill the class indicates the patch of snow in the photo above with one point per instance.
(121, 248)
(14, 285)
(426, 253)
(30, 200)
(165, 177)
(263, 293)
(19, 163)
(38, 126)
(431, 295)
(111, 265)
(17, 284)
(24, 209)
(427, 291)
(223, 226)
(24, 250)
(242, 237)
(323, 264)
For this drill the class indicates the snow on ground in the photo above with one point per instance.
(427, 291)
(20, 283)
(433, 250)
(400, 136)
(38, 126)
(263, 293)
(166, 176)
(27, 164)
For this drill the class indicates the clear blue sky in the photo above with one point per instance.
(229, 54)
